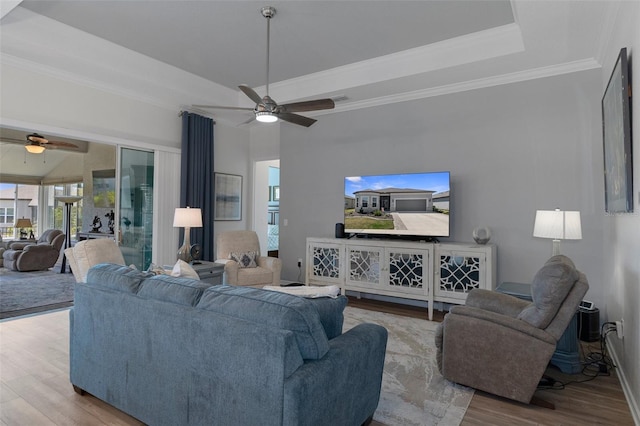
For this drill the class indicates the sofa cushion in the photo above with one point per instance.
(275, 309)
(549, 288)
(255, 276)
(116, 277)
(183, 291)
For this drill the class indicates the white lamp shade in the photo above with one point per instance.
(558, 225)
(187, 218)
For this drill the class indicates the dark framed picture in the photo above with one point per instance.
(616, 133)
(228, 196)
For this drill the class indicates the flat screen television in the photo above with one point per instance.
(405, 205)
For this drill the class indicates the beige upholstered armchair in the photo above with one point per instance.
(88, 253)
(38, 256)
(501, 344)
(240, 252)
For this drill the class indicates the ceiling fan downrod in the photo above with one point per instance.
(268, 12)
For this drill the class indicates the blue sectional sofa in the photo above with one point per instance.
(175, 351)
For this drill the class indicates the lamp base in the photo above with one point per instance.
(184, 252)
(556, 248)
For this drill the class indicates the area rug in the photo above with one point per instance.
(413, 391)
(23, 293)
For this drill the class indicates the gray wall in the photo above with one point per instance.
(511, 150)
(622, 232)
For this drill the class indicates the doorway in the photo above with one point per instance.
(267, 205)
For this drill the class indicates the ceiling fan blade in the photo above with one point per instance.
(251, 93)
(60, 144)
(12, 140)
(252, 118)
(308, 105)
(296, 119)
(223, 107)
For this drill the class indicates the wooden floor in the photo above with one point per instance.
(35, 388)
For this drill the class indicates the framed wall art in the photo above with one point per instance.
(616, 132)
(228, 196)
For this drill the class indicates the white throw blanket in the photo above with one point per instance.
(307, 291)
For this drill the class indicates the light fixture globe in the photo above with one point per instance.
(266, 117)
(34, 148)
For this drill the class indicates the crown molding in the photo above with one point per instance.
(7, 6)
(470, 48)
(515, 77)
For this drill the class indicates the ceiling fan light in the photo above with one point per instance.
(266, 117)
(34, 149)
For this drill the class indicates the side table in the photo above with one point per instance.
(567, 354)
(210, 272)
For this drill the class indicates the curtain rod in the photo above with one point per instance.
(196, 111)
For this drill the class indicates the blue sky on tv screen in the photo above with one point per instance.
(436, 181)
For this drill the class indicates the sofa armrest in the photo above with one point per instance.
(503, 321)
(496, 302)
(342, 388)
(38, 248)
(231, 270)
(20, 246)
(274, 264)
(269, 262)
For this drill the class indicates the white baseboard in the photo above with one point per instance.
(624, 382)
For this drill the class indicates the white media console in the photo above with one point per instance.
(432, 272)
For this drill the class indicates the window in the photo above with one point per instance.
(55, 210)
(374, 201)
(365, 201)
(6, 215)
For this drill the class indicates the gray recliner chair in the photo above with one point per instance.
(501, 344)
(38, 256)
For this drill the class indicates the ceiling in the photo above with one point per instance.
(225, 41)
(366, 53)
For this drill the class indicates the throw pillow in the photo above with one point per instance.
(183, 269)
(245, 260)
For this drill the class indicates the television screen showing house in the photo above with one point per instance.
(400, 204)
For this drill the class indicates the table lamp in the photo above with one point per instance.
(21, 224)
(557, 225)
(186, 218)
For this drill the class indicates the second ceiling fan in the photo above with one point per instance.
(267, 110)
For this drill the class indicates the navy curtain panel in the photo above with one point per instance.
(196, 177)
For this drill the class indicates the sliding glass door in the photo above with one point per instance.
(136, 206)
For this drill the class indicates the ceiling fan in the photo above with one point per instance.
(36, 144)
(267, 110)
